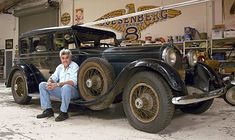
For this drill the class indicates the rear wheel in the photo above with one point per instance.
(19, 88)
(95, 77)
(197, 108)
(147, 102)
(229, 96)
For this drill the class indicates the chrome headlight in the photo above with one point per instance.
(192, 58)
(169, 56)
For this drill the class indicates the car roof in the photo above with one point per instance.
(81, 29)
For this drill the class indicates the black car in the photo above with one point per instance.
(150, 80)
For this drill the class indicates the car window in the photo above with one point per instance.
(64, 40)
(24, 46)
(97, 43)
(40, 43)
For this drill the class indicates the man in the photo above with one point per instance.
(62, 84)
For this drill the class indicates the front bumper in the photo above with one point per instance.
(197, 97)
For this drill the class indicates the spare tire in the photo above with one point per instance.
(95, 78)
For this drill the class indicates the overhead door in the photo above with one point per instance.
(37, 17)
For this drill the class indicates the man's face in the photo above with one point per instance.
(65, 60)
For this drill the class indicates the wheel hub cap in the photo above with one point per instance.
(139, 103)
(89, 83)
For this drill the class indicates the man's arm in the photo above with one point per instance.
(53, 79)
(69, 82)
(55, 76)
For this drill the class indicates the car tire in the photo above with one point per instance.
(229, 96)
(154, 98)
(95, 78)
(197, 108)
(19, 88)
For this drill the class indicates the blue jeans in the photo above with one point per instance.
(65, 93)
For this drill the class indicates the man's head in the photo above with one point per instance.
(65, 57)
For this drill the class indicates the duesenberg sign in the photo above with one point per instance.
(131, 27)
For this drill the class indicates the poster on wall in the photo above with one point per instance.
(131, 27)
(229, 13)
(65, 18)
(79, 16)
(9, 44)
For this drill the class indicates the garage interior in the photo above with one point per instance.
(206, 27)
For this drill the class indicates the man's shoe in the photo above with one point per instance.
(62, 116)
(46, 114)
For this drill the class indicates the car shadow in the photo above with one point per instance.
(113, 112)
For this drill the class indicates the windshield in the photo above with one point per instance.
(93, 40)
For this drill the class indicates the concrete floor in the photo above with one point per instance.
(19, 122)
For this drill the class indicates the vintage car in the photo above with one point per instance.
(151, 81)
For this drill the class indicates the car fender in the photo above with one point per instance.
(169, 74)
(205, 78)
(31, 73)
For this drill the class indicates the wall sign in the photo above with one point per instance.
(79, 16)
(132, 27)
(9, 44)
(65, 18)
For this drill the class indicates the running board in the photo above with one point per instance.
(37, 95)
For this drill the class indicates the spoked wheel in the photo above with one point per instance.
(96, 77)
(147, 102)
(19, 88)
(229, 96)
(94, 83)
(144, 102)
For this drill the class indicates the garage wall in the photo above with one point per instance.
(8, 30)
(197, 16)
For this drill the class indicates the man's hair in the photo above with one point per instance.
(65, 52)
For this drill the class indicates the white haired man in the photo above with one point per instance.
(61, 84)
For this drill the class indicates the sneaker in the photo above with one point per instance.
(62, 116)
(46, 114)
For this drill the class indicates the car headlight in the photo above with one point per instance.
(169, 56)
(192, 58)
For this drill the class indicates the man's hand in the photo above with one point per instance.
(50, 80)
(51, 86)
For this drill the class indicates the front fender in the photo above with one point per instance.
(169, 74)
(204, 78)
(31, 73)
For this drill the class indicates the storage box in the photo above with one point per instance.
(229, 33)
(218, 31)
(217, 34)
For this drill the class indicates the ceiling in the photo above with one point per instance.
(6, 4)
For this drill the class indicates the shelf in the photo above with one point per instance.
(219, 39)
(192, 41)
(178, 43)
(187, 48)
(229, 48)
(224, 61)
